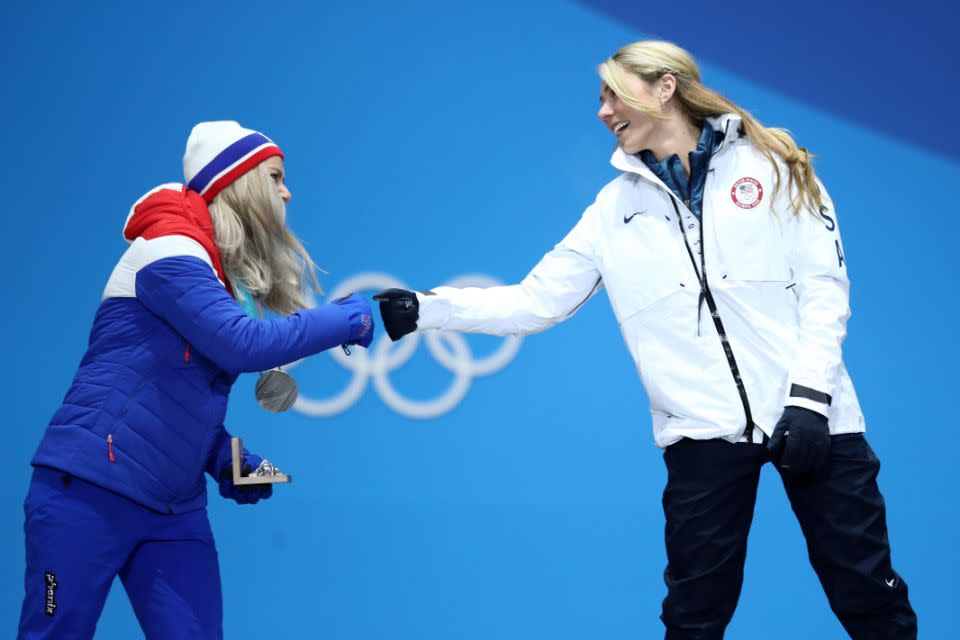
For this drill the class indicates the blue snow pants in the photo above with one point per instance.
(79, 537)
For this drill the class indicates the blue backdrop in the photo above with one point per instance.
(434, 141)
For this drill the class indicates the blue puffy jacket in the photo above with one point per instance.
(144, 415)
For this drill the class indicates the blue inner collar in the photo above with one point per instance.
(671, 173)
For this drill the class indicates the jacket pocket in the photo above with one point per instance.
(640, 279)
(637, 297)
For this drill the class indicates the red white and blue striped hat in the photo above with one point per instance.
(220, 152)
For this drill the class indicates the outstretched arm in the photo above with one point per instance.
(556, 288)
(184, 291)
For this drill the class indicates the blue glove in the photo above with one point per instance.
(219, 464)
(360, 318)
(800, 441)
(244, 494)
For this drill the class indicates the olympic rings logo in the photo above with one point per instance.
(450, 350)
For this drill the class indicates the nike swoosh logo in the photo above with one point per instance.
(627, 218)
(890, 582)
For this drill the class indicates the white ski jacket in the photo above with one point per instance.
(761, 329)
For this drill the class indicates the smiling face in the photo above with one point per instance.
(633, 128)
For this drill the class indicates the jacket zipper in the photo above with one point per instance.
(707, 296)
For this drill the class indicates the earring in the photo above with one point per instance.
(663, 107)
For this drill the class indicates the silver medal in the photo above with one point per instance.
(276, 390)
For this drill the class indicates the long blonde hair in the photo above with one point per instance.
(652, 59)
(257, 247)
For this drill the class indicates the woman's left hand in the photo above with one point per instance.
(801, 440)
(248, 493)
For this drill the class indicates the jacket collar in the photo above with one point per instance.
(172, 209)
(729, 124)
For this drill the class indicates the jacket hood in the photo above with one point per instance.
(172, 209)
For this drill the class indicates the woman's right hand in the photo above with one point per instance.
(360, 317)
(400, 311)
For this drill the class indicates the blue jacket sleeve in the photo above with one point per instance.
(220, 453)
(220, 458)
(184, 291)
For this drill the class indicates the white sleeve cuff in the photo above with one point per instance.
(434, 311)
(806, 403)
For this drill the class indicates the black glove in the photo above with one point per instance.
(400, 310)
(801, 440)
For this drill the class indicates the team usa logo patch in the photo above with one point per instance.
(746, 193)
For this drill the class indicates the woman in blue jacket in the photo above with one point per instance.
(118, 485)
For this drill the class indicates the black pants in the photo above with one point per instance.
(708, 502)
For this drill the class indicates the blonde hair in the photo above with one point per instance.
(257, 247)
(652, 59)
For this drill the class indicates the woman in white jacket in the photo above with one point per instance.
(722, 259)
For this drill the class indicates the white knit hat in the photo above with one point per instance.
(220, 152)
